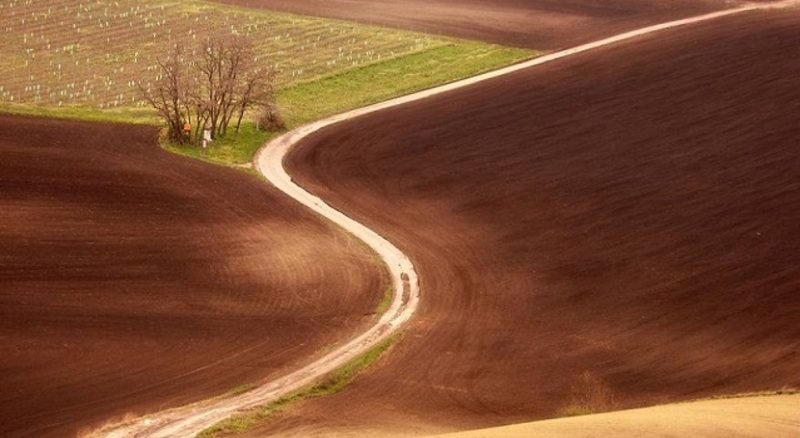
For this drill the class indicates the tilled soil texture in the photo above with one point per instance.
(537, 24)
(611, 230)
(133, 280)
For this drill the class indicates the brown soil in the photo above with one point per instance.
(132, 279)
(538, 24)
(621, 223)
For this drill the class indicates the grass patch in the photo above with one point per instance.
(374, 83)
(138, 116)
(386, 301)
(337, 380)
(330, 384)
(233, 149)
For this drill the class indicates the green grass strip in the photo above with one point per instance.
(395, 77)
(386, 301)
(331, 384)
(138, 116)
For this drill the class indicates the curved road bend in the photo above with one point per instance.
(189, 420)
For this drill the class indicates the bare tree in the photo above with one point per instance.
(166, 95)
(231, 80)
(225, 80)
(255, 90)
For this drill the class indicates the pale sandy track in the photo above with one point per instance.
(189, 420)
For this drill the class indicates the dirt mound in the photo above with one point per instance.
(619, 224)
(538, 24)
(132, 279)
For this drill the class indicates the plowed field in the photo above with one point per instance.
(537, 24)
(133, 280)
(621, 223)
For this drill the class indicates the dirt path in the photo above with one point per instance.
(112, 248)
(190, 420)
(627, 213)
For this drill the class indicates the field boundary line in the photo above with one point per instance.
(189, 420)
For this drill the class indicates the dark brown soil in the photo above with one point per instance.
(625, 219)
(538, 24)
(132, 279)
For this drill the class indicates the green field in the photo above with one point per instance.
(84, 59)
(94, 52)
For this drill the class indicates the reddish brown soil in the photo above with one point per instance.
(538, 24)
(132, 279)
(629, 214)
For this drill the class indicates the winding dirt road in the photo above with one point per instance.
(189, 420)
(630, 213)
(112, 248)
